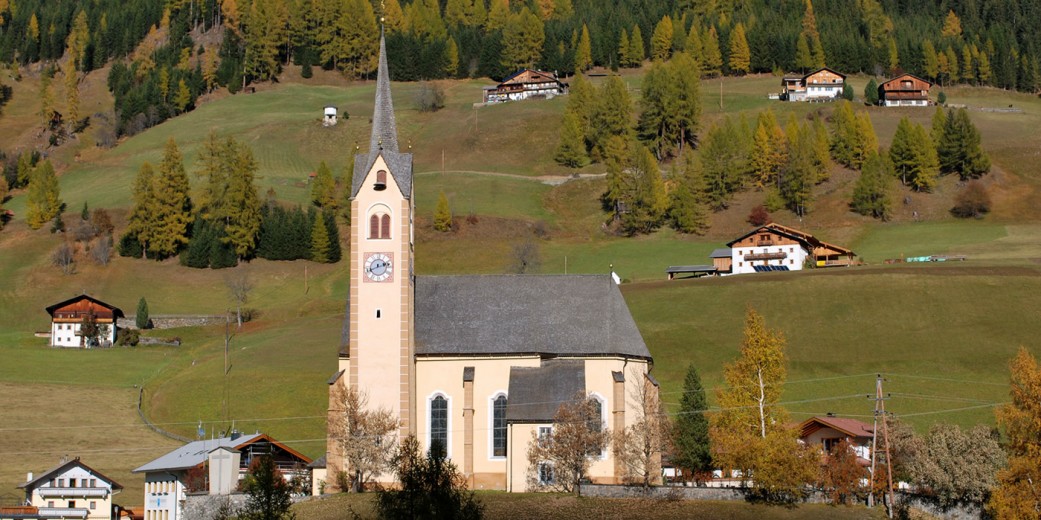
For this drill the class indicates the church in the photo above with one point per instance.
(477, 363)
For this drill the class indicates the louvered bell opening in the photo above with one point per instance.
(381, 180)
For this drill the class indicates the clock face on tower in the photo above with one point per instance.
(379, 267)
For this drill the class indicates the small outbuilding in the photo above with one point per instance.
(68, 317)
(329, 119)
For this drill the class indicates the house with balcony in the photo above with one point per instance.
(827, 431)
(67, 319)
(820, 85)
(773, 247)
(905, 90)
(526, 84)
(70, 490)
(213, 467)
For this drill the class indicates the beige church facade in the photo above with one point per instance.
(481, 363)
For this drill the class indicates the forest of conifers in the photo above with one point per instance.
(993, 42)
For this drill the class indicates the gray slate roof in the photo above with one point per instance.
(537, 392)
(550, 315)
(724, 252)
(194, 453)
(384, 138)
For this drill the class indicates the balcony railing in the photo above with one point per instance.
(765, 256)
(63, 512)
(77, 492)
(764, 243)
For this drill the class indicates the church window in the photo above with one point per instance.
(439, 423)
(379, 226)
(499, 426)
(596, 420)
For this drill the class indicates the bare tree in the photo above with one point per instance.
(65, 258)
(526, 258)
(102, 250)
(639, 446)
(239, 287)
(576, 439)
(366, 437)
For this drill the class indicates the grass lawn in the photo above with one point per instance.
(500, 505)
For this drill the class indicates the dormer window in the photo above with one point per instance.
(381, 180)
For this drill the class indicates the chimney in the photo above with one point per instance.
(29, 477)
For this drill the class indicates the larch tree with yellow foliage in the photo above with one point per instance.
(1018, 494)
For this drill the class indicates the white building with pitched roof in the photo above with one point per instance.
(71, 490)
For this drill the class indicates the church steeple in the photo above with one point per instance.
(384, 130)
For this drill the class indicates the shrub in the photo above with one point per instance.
(941, 98)
(128, 337)
(430, 97)
(141, 319)
(972, 202)
(759, 216)
(129, 246)
(431, 487)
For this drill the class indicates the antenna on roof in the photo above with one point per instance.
(200, 432)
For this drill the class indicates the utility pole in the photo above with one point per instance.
(880, 414)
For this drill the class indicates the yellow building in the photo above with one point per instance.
(478, 363)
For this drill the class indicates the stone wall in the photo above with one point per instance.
(173, 321)
(203, 507)
(926, 504)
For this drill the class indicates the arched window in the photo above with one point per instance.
(439, 423)
(499, 426)
(385, 226)
(374, 226)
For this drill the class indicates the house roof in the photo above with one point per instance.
(61, 468)
(195, 453)
(85, 302)
(537, 392)
(846, 426)
(530, 76)
(384, 138)
(895, 83)
(548, 315)
(833, 71)
(723, 252)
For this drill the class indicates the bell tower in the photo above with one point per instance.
(377, 354)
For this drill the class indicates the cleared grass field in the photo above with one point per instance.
(509, 506)
(942, 334)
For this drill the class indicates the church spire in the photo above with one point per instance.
(384, 130)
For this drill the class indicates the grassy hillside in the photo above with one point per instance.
(941, 333)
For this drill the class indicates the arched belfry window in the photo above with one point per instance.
(379, 224)
(381, 180)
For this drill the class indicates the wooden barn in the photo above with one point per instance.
(906, 90)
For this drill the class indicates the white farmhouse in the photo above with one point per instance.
(67, 318)
(71, 490)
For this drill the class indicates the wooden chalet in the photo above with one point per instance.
(820, 85)
(525, 84)
(906, 90)
(68, 316)
(773, 247)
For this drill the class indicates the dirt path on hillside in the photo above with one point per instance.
(552, 180)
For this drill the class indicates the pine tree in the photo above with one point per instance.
(939, 122)
(871, 192)
(657, 123)
(803, 57)
(866, 140)
(323, 191)
(623, 49)
(690, 429)
(571, 149)
(930, 61)
(334, 252)
(141, 319)
(523, 38)
(1015, 496)
(769, 150)
(140, 223)
(959, 149)
(172, 206)
(821, 150)
(813, 37)
(43, 201)
(687, 76)
(798, 173)
(613, 113)
(927, 161)
(712, 63)
(319, 239)
(649, 200)
(894, 56)
(451, 58)
(241, 215)
(686, 209)
(636, 48)
(584, 52)
(442, 213)
(661, 39)
(694, 48)
(844, 134)
(871, 92)
(740, 54)
(722, 155)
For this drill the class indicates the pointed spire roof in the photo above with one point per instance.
(384, 130)
(384, 139)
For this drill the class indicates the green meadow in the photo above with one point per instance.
(941, 334)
